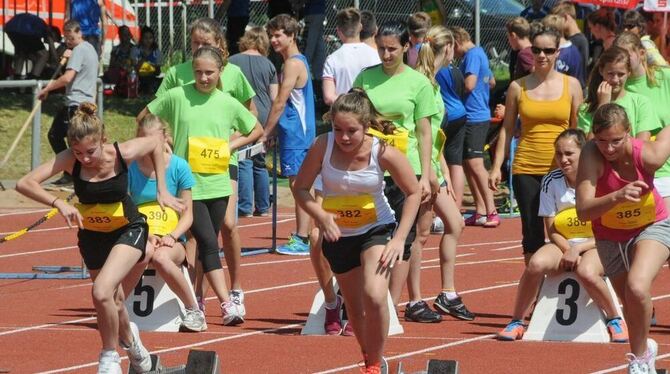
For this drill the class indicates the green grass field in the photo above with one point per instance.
(119, 119)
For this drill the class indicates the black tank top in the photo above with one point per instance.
(112, 190)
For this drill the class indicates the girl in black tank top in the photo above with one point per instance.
(110, 225)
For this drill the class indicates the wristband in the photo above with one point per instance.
(172, 236)
(53, 202)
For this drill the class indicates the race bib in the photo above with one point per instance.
(399, 140)
(208, 155)
(630, 215)
(103, 217)
(570, 226)
(352, 211)
(161, 222)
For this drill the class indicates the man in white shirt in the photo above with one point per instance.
(343, 65)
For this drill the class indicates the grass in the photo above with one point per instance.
(119, 118)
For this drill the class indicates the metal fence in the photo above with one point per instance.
(170, 19)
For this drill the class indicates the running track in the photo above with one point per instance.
(48, 326)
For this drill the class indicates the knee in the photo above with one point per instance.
(536, 266)
(102, 295)
(636, 288)
(160, 260)
(588, 275)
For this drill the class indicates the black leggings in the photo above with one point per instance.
(207, 218)
(59, 126)
(527, 194)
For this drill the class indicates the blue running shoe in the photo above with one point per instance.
(294, 247)
(513, 331)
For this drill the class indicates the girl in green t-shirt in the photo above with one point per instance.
(607, 83)
(206, 142)
(407, 98)
(437, 51)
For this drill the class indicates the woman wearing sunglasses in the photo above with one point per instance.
(546, 102)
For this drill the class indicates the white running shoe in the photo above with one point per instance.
(237, 296)
(194, 320)
(645, 364)
(437, 227)
(138, 356)
(109, 363)
(231, 314)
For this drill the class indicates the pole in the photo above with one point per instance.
(478, 9)
(357, 4)
(274, 198)
(185, 27)
(171, 22)
(210, 8)
(147, 12)
(100, 98)
(160, 24)
(123, 14)
(37, 128)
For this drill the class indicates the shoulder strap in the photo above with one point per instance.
(118, 155)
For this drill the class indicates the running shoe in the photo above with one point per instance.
(513, 331)
(261, 214)
(653, 321)
(194, 320)
(294, 247)
(243, 215)
(421, 312)
(492, 220)
(380, 368)
(475, 219)
(453, 307)
(138, 356)
(645, 364)
(437, 227)
(618, 330)
(237, 296)
(201, 303)
(231, 314)
(348, 329)
(333, 323)
(109, 363)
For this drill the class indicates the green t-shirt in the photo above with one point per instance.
(403, 98)
(659, 95)
(435, 125)
(640, 112)
(183, 108)
(233, 82)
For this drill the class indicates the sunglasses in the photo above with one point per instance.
(547, 51)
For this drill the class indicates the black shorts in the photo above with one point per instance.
(475, 138)
(396, 199)
(233, 172)
(345, 254)
(453, 148)
(95, 247)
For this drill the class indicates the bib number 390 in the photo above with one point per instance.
(144, 303)
(569, 288)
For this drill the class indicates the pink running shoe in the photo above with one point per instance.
(475, 219)
(492, 220)
(348, 329)
(333, 323)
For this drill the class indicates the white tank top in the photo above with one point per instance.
(356, 196)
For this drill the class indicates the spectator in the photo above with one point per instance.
(315, 51)
(536, 11)
(368, 29)
(79, 79)
(634, 22)
(418, 24)
(343, 65)
(602, 24)
(569, 60)
(518, 31)
(28, 33)
(237, 13)
(91, 17)
(147, 60)
(572, 31)
(654, 27)
(120, 59)
(261, 74)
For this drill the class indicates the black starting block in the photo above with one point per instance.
(199, 362)
(435, 367)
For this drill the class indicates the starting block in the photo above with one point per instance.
(317, 316)
(565, 312)
(199, 362)
(153, 306)
(435, 367)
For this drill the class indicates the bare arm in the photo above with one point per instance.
(274, 90)
(250, 138)
(577, 99)
(186, 215)
(470, 83)
(589, 206)
(61, 82)
(425, 139)
(656, 153)
(329, 93)
(505, 135)
(292, 70)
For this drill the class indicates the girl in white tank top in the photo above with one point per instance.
(361, 241)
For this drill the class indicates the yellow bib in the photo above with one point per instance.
(208, 155)
(161, 222)
(352, 211)
(399, 139)
(571, 227)
(630, 215)
(103, 217)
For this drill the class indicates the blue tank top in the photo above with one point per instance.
(87, 13)
(297, 125)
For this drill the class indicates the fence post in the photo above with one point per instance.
(210, 9)
(185, 26)
(100, 97)
(478, 24)
(37, 130)
(171, 21)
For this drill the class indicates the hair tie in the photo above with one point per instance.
(429, 39)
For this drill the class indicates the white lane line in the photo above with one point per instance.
(476, 262)
(38, 252)
(413, 353)
(40, 230)
(506, 248)
(22, 213)
(179, 348)
(46, 325)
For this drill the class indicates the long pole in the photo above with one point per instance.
(478, 25)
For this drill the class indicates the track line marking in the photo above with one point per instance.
(22, 213)
(413, 353)
(37, 252)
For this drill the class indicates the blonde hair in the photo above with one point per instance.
(437, 39)
(210, 26)
(255, 38)
(519, 26)
(610, 115)
(460, 34)
(555, 21)
(85, 123)
(631, 42)
(418, 24)
(358, 103)
(565, 8)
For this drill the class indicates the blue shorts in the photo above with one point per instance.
(291, 160)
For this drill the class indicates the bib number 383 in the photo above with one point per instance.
(208, 155)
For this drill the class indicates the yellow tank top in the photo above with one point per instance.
(541, 123)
